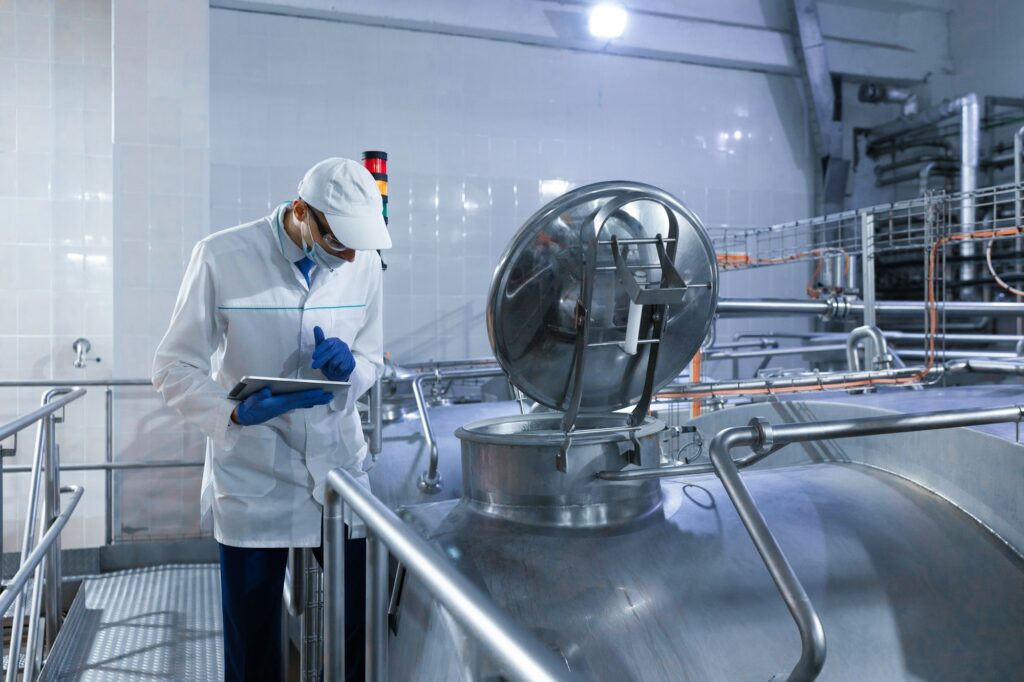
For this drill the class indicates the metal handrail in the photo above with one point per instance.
(33, 551)
(17, 583)
(20, 423)
(112, 466)
(765, 439)
(374, 429)
(525, 655)
(430, 480)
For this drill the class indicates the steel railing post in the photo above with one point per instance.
(376, 608)
(334, 586)
(51, 509)
(376, 421)
(108, 491)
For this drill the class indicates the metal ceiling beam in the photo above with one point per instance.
(825, 121)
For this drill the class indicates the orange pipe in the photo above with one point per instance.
(933, 324)
(695, 406)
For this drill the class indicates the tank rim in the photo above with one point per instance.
(484, 430)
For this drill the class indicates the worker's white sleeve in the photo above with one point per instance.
(367, 348)
(181, 367)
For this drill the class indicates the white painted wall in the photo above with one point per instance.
(480, 134)
(988, 53)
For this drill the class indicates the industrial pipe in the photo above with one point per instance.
(970, 144)
(812, 635)
(430, 480)
(814, 380)
(876, 353)
(986, 366)
(918, 353)
(774, 352)
(970, 141)
(910, 161)
(893, 335)
(764, 439)
(1018, 150)
(928, 117)
(933, 168)
(838, 308)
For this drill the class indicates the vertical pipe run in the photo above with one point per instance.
(1018, 246)
(695, 363)
(334, 586)
(970, 133)
(376, 609)
(867, 239)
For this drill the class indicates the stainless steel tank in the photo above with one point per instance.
(658, 580)
(908, 587)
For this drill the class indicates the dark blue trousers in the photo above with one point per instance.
(251, 581)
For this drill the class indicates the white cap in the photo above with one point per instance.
(347, 194)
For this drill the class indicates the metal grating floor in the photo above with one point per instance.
(158, 623)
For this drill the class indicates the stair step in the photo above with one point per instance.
(160, 622)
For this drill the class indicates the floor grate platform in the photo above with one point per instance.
(157, 623)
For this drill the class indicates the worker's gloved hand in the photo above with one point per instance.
(264, 405)
(332, 357)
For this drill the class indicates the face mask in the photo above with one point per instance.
(315, 252)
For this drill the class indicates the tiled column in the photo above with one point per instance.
(161, 171)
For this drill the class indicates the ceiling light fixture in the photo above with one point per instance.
(607, 21)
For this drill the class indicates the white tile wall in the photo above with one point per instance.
(480, 134)
(161, 199)
(107, 168)
(55, 194)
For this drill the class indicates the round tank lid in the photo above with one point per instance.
(536, 305)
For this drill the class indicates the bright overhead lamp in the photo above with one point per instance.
(607, 21)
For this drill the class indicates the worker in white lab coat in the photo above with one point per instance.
(298, 295)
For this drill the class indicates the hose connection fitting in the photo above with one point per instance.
(838, 308)
(765, 435)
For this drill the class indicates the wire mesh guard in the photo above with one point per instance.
(899, 226)
(940, 247)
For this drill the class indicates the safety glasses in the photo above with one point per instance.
(325, 232)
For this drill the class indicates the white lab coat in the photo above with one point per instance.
(245, 309)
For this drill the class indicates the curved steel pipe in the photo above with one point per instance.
(876, 352)
(430, 480)
(813, 646)
(764, 438)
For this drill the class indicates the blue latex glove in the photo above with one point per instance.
(332, 357)
(264, 405)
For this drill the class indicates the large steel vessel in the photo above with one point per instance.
(657, 579)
